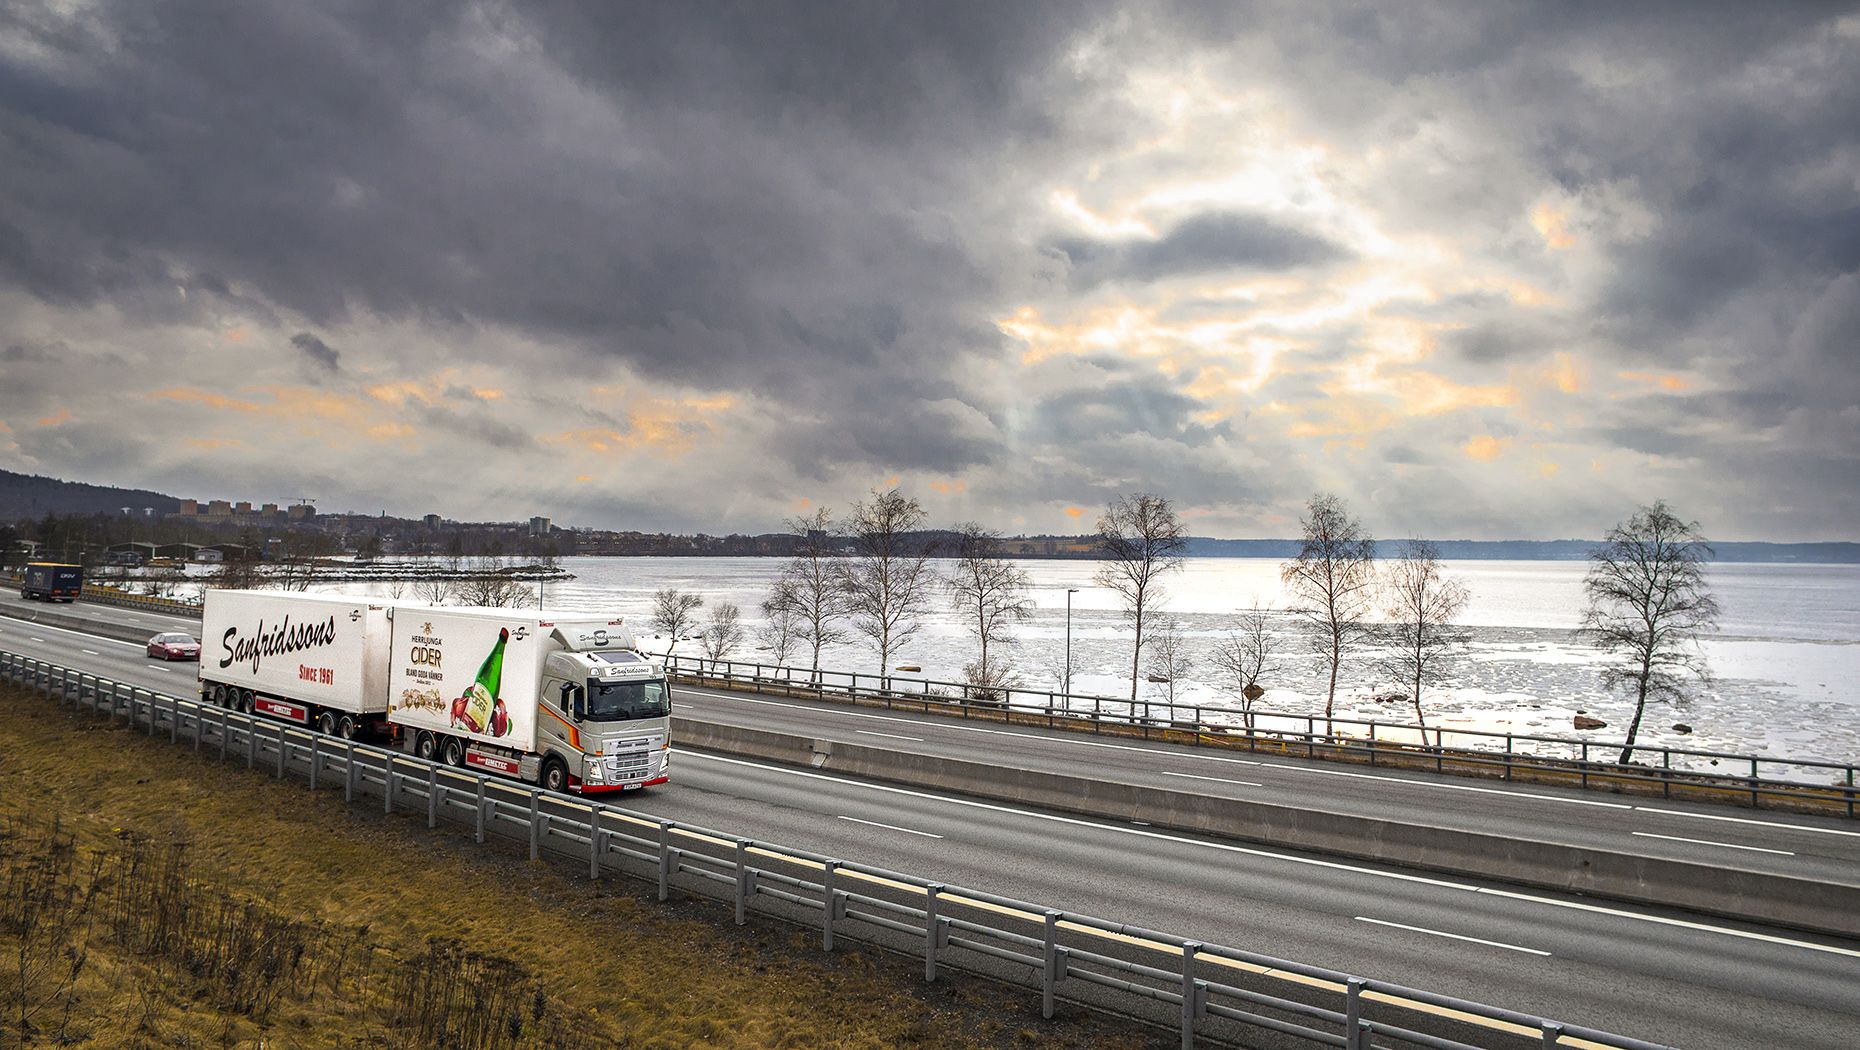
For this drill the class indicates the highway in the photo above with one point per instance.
(1683, 979)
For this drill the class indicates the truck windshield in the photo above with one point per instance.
(621, 701)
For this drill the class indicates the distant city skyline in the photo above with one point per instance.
(1485, 271)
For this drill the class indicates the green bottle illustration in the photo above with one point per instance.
(480, 708)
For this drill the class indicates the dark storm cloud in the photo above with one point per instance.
(727, 199)
(1198, 245)
(317, 351)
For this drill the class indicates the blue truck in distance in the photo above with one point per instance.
(51, 582)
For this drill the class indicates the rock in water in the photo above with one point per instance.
(1585, 722)
(1681, 727)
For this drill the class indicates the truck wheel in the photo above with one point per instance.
(244, 702)
(345, 727)
(455, 751)
(326, 723)
(554, 775)
(425, 746)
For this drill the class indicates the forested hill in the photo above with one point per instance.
(25, 496)
(1536, 550)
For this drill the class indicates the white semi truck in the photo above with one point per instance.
(569, 703)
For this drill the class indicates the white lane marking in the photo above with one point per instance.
(1228, 847)
(40, 640)
(891, 736)
(1708, 842)
(1454, 936)
(1746, 820)
(1171, 754)
(1217, 780)
(86, 634)
(891, 827)
(158, 667)
(90, 652)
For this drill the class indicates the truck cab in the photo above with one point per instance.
(607, 715)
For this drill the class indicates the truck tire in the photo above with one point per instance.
(345, 727)
(424, 746)
(244, 702)
(326, 723)
(455, 751)
(554, 775)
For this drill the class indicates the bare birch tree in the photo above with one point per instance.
(489, 585)
(990, 592)
(1648, 604)
(818, 586)
(1244, 657)
(1422, 603)
(888, 580)
(674, 614)
(1169, 660)
(1140, 541)
(1333, 579)
(724, 632)
(782, 622)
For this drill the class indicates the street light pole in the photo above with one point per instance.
(1067, 689)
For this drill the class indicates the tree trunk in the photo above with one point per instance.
(1330, 698)
(1136, 662)
(1640, 708)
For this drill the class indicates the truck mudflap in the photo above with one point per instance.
(284, 709)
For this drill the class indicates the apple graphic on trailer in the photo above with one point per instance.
(500, 719)
(458, 708)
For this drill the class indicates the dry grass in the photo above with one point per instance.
(152, 898)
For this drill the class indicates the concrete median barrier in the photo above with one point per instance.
(71, 617)
(1752, 896)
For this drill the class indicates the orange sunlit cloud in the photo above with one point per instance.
(1486, 448)
(487, 393)
(1552, 224)
(1663, 380)
(213, 444)
(1565, 373)
(58, 418)
(384, 431)
(236, 335)
(1549, 470)
(949, 487)
(1075, 512)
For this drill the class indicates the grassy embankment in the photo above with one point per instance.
(152, 898)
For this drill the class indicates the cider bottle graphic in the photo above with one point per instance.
(481, 701)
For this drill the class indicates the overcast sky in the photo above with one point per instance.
(1484, 270)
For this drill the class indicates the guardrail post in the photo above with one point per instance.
(932, 923)
(1552, 1032)
(665, 860)
(152, 713)
(742, 881)
(225, 731)
(1850, 791)
(251, 740)
(387, 785)
(1049, 965)
(174, 719)
(594, 843)
(316, 755)
(830, 897)
(281, 747)
(1507, 756)
(1190, 994)
(1754, 803)
(432, 796)
(348, 773)
(535, 823)
(1353, 1015)
(478, 832)
(1372, 742)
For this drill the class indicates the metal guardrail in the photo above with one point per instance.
(105, 594)
(1691, 772)
(1010, 940)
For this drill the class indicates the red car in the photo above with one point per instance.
(174, 647)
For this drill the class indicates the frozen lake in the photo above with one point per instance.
(1785, 659)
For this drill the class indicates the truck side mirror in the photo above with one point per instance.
(567, 691)
(581, 707)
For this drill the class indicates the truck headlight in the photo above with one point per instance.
(594, 774)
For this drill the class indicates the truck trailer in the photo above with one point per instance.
(567, 703)
(52, 582)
